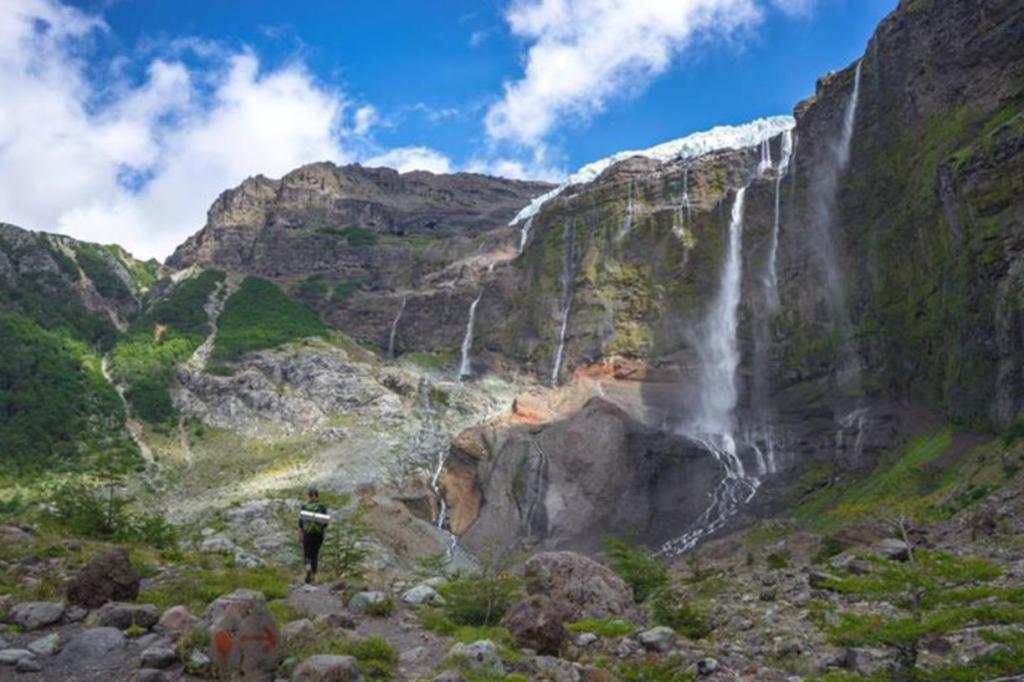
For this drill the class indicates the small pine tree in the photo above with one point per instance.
(936, 592)
(344, 548)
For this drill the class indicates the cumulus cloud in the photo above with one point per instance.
(405, 159)
(139, 163)
(584, 54)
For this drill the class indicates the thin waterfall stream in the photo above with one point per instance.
(714, 425)
(466, 364)
(568, 278)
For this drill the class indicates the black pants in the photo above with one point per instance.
(311, 548)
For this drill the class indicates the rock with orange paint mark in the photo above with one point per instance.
(245, 642)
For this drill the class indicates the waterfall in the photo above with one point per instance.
(394, 328)
(714, 425)
(466, 365)
(524, 234)
(627, 223)
(568, 278)
(849, 119)
(772, 279)
(765, 164)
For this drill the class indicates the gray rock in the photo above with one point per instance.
(75, 614)
(94, 649)
(362, 601)
(151, 675)
(864, 661)
(46, 646)
(325, 668)
(198, 663)
(37, 614)
(12, 656)
(819, 579)
(659, 639)
(707, 666)
(422, 594)
(245, 638)
(297, 631)
(175, 620)
(158, 657)
(28, 665)
(123, 616)
(108, 577)
(892, 549)
(585, 639)
(556, 669)
(479, 657)
(450, 676)
(580, 586)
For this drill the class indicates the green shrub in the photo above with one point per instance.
(99, 269)
(777, 560)
(260, 316)
(196, 588)
(637, 565)
(671, 670)
(344, 290)
(382, 608)
(96, 510)
(55, 405)
(353, 234)
(602, 627)
(434, 620)
(312, 288)
(830, 546)
(672, 608)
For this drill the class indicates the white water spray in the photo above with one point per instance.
(466, 365)
(394, 328)
(627, 223)
(568, 276)
(849, 119)
(524, 234)
(772, 277)
(714, 425)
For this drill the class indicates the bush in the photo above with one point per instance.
(481, 600)
(602, 627)
(829, 547)
(670, 607)
(671, 670)
(777, 560)
(97, 511)
(258, 316)
(637, 565)
(382, 608)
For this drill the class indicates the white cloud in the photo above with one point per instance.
(584, 54)
(796, 8)
(139, 164)
(405, 159)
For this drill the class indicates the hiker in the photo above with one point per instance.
(311, 533)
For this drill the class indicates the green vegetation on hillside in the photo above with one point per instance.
(98, 267)
(159, 339)
(355, 236)
(55, 406)
(258, 316)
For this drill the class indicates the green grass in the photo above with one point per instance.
(259, 316)
(196, 588)
(376, 657)
(602, 627)
(353, 234)
(56, 409)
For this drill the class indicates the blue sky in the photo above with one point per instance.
(155, 106)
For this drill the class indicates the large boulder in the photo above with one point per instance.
(123, 616)
(480, 657)
(325, 668)
(245, 639)
(537, 623)
(91, 652)
(581, 587)
(108, 577)
(36, 614)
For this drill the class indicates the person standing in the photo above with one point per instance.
(311, 533)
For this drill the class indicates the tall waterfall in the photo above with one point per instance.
(394, 327)
(524, 233)
(466, 365)
(849, 119)
(627, 222)
(568, 278)
(714, 425)
(772, 278)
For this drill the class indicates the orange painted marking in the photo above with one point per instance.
(223, 642)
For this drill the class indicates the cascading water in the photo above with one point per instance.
(849, 119)
(568, 278)
(714, 424)
(394, 328)
(771, 274)
(627, 222)
(524, 233)
(765, 164)
(466, 365)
